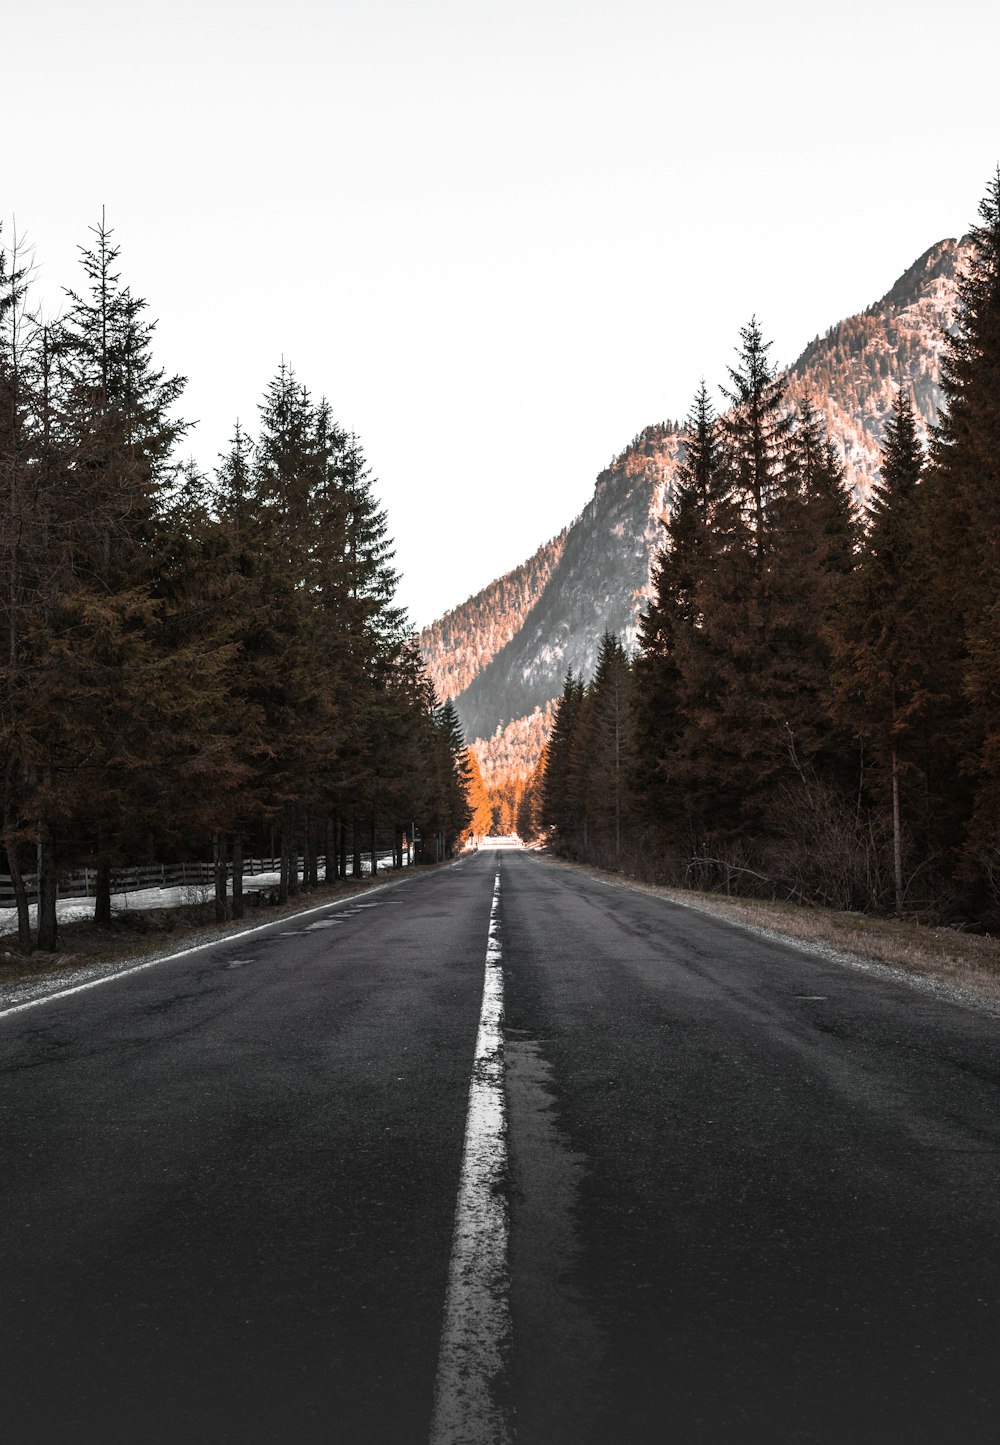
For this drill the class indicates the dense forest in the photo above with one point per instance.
(193, 663)
(551, 619)
(812, 712)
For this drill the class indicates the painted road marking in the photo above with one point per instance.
(184, 953)
(475, 1340)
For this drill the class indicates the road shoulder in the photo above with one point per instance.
(950, 965)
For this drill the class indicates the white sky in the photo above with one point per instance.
(501, 237)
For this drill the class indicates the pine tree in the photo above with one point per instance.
(758, 676)
(560, 809)
(880, 647)
(452, 811)
(723, 754)
(103, 468)
(669, 624)
(815, 537)
(608, 749)
(756, 431)
(961, 525)
(21, 550)
(530, 825)
(292, 669)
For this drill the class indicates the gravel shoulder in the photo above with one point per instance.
(960, 967)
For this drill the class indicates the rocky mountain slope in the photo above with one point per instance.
(465, 641)
(503, 654)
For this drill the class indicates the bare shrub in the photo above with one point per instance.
(727, 867)
(830, 851)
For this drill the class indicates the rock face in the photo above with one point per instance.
(853, 371)
(506, 651)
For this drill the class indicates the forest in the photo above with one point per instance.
(812, 712)
(193, 664)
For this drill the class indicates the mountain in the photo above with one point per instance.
(465, 641)
(504, 653)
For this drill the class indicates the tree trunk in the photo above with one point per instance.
(618, 786)
(219, 859)
(341, 848)
(48, 929)
(330, 867)
(311, 871)
(102, 891)
(293, 853)
(285, 846)
(20, 898)
(356, 845)
(374, 867)
(237, 874)
(897, 840)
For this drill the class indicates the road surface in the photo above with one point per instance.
(747, 1194)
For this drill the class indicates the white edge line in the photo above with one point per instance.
(198, 948)
(476, 1334)
(185, 952)
(942, 989)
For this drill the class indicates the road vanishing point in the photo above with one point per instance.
(499, 1153)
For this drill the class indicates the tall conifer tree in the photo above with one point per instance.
(962, 525)
(880, 645)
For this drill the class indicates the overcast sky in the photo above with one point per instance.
(501, 237)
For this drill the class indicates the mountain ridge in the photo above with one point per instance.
(599, 575)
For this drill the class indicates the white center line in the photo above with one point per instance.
(475, 1341)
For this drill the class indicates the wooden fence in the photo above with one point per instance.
(132, 880)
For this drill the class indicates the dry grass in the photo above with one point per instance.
(963, 960)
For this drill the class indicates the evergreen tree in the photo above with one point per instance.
(880, 644)
(452, 812)
(608, 748)
(560, 811)
(669, 625)
(530, 825)
(756, 431)
(815, 537)
(757, 702)
(292, 669)
(105, 469)
(21, 549)
(961, 525)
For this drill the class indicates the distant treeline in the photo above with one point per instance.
(814, 710)
(192, 661)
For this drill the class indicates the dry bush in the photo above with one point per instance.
(830, 851)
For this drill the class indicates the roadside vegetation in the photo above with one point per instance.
(812, 716)
(192, 664)
(88, 949)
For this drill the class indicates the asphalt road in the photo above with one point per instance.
(753, 1195)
